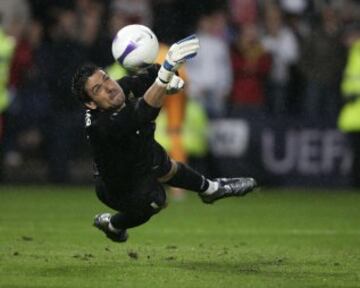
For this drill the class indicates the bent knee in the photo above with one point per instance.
(171, 173)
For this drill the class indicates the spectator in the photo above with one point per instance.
(280, 42)
(171, 120)
(322, 62)
(251, 65)
(15, 16)
(7, 45)
(30, 105)
(294, 6)
(64, 127)
(243, 11)
(93, 32)
(136, 11)
(349, 118)
(210, 72)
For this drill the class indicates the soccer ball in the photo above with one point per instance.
(135, 47)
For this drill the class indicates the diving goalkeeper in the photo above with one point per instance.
(130, 166)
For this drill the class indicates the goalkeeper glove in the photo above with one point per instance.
(175, 85)
(178, 53)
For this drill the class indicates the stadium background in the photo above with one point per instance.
(267, 95)
(264, 99)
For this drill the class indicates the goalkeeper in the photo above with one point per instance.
(130, 166)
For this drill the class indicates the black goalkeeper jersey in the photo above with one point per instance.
(123, 141)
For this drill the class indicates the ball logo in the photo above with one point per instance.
(135, 47)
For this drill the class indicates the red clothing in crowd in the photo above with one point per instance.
(21, 63)
(250, 69)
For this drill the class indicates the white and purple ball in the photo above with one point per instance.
(135, 47)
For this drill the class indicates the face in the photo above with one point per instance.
(105, 92)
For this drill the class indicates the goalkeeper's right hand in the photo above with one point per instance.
(178, 53)
(175, 85)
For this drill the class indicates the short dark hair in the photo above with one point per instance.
(79, 81)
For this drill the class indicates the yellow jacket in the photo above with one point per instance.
(349, 118)
(7, 45)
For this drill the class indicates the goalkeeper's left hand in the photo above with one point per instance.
(178, 53)
(175, 85)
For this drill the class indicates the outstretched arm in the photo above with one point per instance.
(147, 108)
(140, 82)
(178, 53)
(155, 95)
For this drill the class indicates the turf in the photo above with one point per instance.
(271, 238)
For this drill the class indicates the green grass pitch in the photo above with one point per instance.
(270, 238)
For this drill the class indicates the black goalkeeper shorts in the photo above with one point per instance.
(146, 196)
(143, 193)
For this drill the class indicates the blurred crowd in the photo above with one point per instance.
(284, 58)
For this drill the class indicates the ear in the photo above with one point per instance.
(91, 105)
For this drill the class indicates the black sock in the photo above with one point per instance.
(189, 179)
